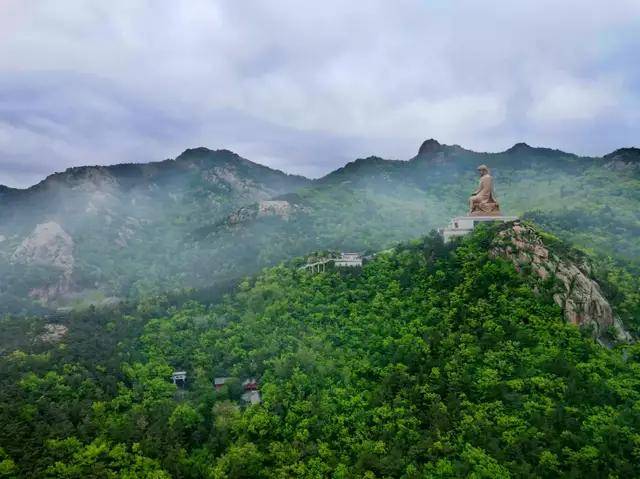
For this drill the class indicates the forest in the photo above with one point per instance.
(432, 361)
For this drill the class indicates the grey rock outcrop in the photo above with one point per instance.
(49, 245)
(53, 333)
(623, 159)
(579, 296)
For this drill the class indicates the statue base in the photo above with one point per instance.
(463, 225)
(486, 213)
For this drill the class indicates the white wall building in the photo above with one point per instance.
(349, 260)
(462, 225)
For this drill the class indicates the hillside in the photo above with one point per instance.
(372, 202)
(209, 218)
(432, 361)
(124, 229)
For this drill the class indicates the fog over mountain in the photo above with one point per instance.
(98, 235)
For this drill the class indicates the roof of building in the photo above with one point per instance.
(223, 380)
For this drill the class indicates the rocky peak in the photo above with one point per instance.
(50, 245)
(429, 146)
(525, 149)
(205, 154)
(623, 159)
(520, 147)
(47, 244)
(579, 296)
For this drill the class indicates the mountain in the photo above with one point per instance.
(371, 203)
(469, 359)
(209, 218)
(624, 158)
(126, 226)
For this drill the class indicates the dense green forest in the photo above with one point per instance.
(432, 360)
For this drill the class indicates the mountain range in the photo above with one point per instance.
(100, 234)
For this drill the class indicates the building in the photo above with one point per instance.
(250, 384)
(462, 225)
(218, 383)
(251, 393)
(349, 260)
(179, 378)
(252, 397)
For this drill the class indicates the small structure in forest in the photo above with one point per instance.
(218, 383)
(250, 388)
(250, 384)
(463, 225)
(179, 378)
(317, 265)
(251, 393)
(252, 397)
(349, 260)
(344, 260)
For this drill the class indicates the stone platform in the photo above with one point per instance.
(462, 225)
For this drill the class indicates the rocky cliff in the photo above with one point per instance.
(569, 276)
(49, 245)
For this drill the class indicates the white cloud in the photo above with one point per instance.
(573, 100)
(336, 78)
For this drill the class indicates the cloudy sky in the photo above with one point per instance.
(307, 86)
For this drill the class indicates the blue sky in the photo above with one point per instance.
(306, 87)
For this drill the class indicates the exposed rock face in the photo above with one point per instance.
(429, 146)
(280, 208)
(53, 333)
(576, 292)
(274, 208)
(49, 245)
(231, 180)
(623, 159)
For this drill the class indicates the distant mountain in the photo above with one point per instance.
(624, 158)
(373, 202)
(210, 217)
(128, 224)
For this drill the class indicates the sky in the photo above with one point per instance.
(308, 86)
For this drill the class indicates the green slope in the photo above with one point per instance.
(433, 361)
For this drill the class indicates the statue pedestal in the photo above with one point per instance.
(462, 225)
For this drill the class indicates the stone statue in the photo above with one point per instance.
(482, 201)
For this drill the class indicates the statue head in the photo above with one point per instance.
(483, 170)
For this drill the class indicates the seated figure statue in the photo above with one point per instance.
(482, 201)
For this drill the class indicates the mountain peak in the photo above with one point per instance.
(523, 148)
(202, 153)
(520, 147)
(191, 152)
(623, 159)
(429, 146)
(631, 154)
